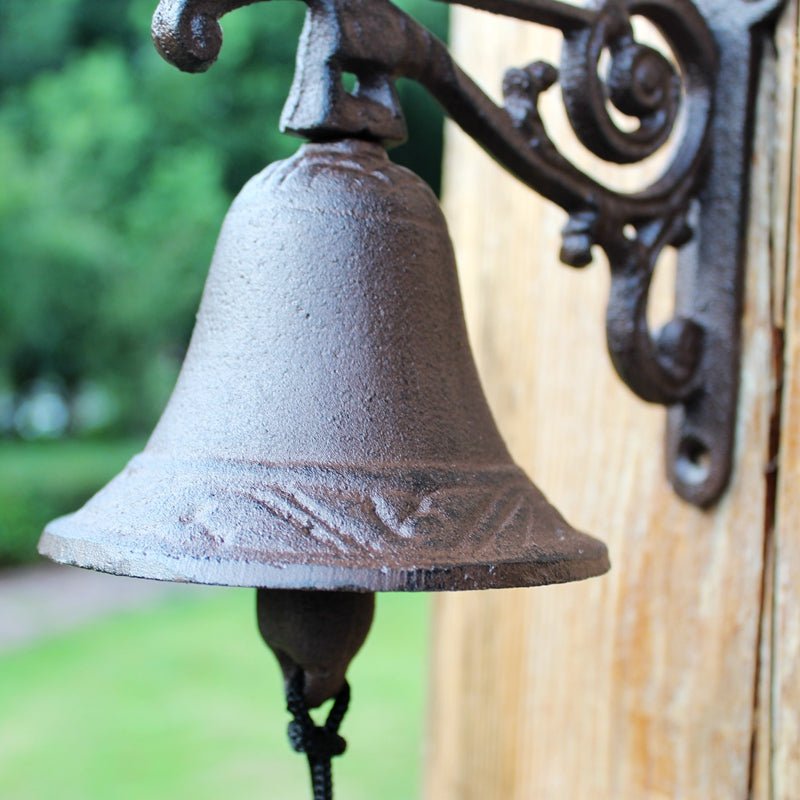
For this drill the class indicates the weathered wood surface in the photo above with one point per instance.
(781, 727)
(647, 683)
(777, 726)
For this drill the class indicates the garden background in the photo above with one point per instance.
(115, 173)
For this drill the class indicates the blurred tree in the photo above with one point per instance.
(117, 170)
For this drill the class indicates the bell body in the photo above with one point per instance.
(328, 429)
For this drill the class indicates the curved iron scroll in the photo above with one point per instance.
(691, 364)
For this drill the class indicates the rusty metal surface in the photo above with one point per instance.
(710, 290)
(328, 429)
(691, 364)
(316, 632)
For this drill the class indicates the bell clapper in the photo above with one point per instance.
(315, 635)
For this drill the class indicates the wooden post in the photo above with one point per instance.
(678, 674)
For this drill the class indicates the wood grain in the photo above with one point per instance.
(784, 665)
(779, 128)
(643, 684)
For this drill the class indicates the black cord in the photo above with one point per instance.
(320, 743)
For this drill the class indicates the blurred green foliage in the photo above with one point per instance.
(116, 173)
(42, 480)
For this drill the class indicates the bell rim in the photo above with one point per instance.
(373, 527)
(593, 561)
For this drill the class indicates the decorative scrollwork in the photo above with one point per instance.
(602, 66)
(641, 83)
(379, 43)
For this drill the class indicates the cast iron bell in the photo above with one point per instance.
(328, 429)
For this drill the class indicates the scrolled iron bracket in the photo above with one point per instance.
(700, 96)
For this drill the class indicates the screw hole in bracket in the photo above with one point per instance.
(694, 461)
(700, 445)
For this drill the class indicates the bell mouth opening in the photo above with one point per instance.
(325, 577)
(398, 528)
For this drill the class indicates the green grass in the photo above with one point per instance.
(43, 480)
(184, 701)
(181, 700)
